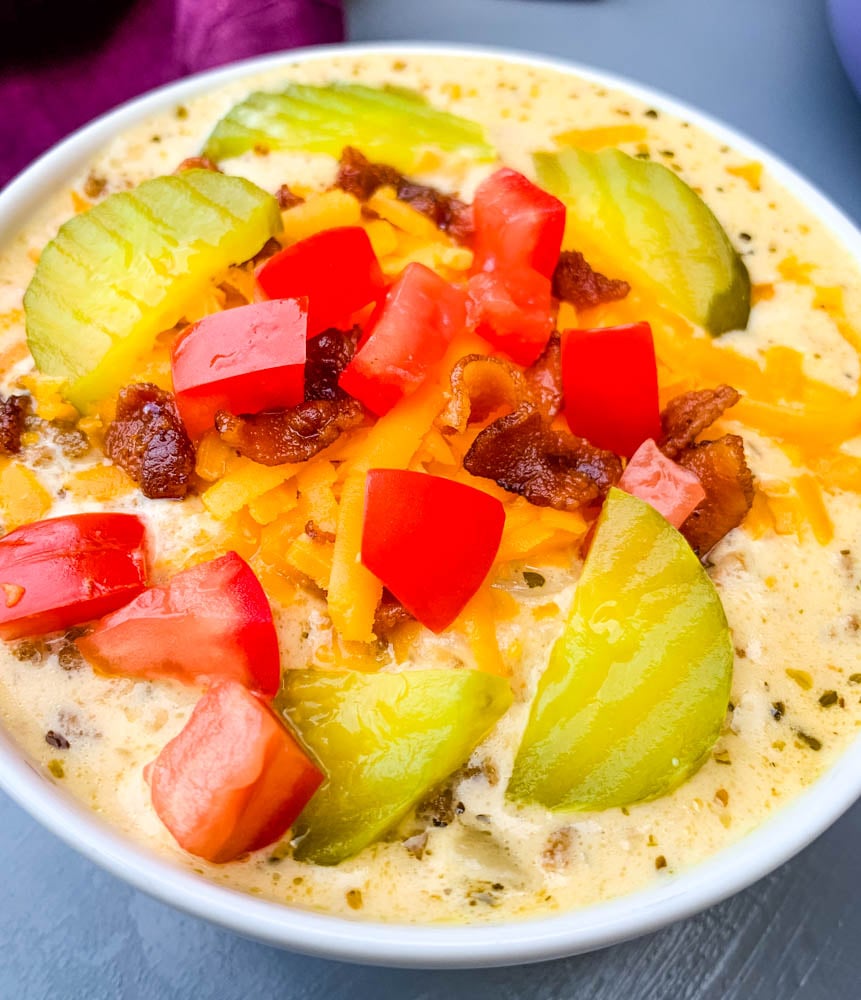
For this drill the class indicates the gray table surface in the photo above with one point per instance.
(68, 930)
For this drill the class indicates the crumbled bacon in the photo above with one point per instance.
(361, 178)
(287, 198)
(290, 435)
(389, 614)
(13, 410)
(318, 534)
(327, 355)
(575, 281)
(550, 468)
(197, 163)
(446, 212)
(269, 249)
(147, 439)
(480, 386)
(723, 472)
(544, 378)
(686, 416)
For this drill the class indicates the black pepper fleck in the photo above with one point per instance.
(778, 710)
(69, 657)
(56, 740)
(533, 579)
(75, 632)
(27, 651)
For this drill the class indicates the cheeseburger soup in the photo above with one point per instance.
(425, 772)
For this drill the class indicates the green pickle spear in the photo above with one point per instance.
(390, 124)
(384, 741)
(662, 233)
(126, 269)
(637, 686)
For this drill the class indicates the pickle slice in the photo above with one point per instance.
(656, 230)
(118, 274)
(391, 125)
(637, 686)
(384, 741)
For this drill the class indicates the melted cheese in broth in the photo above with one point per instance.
(793, 603)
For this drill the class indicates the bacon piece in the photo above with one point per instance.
(269, 249)
(723, 472)
(361, 178)
(13, 410)
(685, 417)
(290, 435)
(318, 534)
(481, 385)
(197, 163)
(544, 378)
(446, 212)
(287, 198)
(575, 281)
(148, 440)
(327, 355)
(550, 468)
(389, 614)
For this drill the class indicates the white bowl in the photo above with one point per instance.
(678, 896)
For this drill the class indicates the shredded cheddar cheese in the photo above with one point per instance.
(304, 522)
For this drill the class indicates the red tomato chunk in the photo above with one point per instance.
(233, 780)
(68, 570)
(518, 236)
(209, 622)
(430, 540)
(672, 490)
(336, 270)
(517, 224)
(242, 360)
(405, 340)
(610, 386)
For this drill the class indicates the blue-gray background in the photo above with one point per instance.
(68, 931)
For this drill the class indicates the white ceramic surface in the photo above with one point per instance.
(673, 898)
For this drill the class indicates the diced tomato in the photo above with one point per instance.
(610, 385)
(517, 224)
(430, 540)
(68, 570)
(233, 780)
(518, 235)
(512, 310)
(405, 339)
(336, 270)
(671, 489)
(209, 622)
(242, 360)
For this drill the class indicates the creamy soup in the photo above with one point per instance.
(788, 577)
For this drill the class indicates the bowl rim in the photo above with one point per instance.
(533, 939)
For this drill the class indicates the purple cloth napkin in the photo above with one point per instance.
(43, 99)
